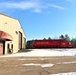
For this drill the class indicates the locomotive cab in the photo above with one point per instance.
(66, 44)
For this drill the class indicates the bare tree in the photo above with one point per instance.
(67, 37)
(73, 42)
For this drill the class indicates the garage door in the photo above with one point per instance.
(20, 40)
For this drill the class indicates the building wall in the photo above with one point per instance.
(12, 26)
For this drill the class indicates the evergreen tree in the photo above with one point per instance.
(49, 38)
(62, 37)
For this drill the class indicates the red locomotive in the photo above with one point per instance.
(53, 43)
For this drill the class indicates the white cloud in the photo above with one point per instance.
(19, 5)
(58, 7)
(38, 10)
(24, 5)
(55, 6)
(35, 6)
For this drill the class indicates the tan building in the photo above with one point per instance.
(12, 36)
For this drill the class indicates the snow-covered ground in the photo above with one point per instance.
(45, 52)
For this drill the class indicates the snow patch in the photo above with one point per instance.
(42, 65)
(47, 65)
(69, 73)
(32, 59)
(31, 64)
(72, 62)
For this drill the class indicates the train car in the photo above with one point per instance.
(53, 43)
(29, 44)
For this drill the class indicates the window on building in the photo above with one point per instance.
(8, 46)
(11, 46)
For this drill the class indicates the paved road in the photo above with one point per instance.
(37, 65)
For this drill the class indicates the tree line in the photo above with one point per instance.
(72, 40)
(67, 37)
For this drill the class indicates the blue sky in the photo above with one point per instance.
(43, 18)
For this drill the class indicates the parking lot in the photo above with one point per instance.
(37, 65)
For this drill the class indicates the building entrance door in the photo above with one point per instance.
(1, 48)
